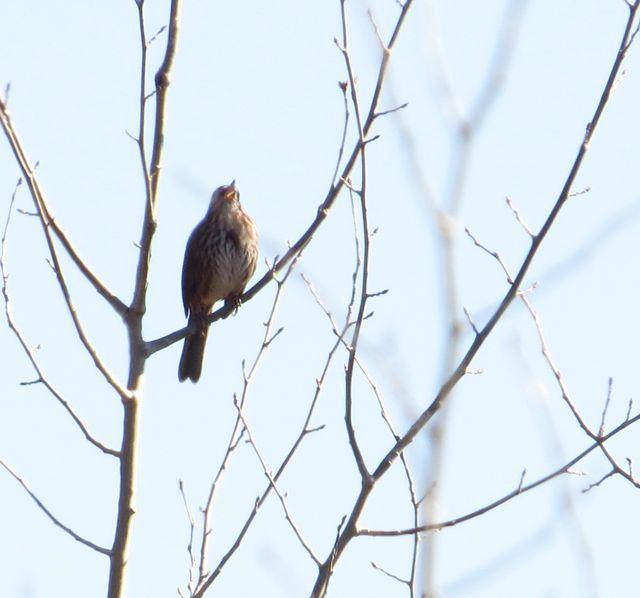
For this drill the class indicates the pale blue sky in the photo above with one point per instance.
(254, 97)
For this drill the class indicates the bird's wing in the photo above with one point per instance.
(189, 269)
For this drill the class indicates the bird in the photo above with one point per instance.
(219, 260)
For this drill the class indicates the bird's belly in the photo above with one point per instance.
(229, 276)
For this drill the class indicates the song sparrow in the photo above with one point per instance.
(219, 260)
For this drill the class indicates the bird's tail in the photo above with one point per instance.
(193, 352)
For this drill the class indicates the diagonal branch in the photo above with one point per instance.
(239, 428)
(322, 210)
(564, 391)
(517, 283)
(47, 225)
(521, 489)
(51, 516)
(349, 530)
(272, 481)
(30, 354)
(48, 221)
(205, 578)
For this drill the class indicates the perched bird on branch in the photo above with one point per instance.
(219, 260)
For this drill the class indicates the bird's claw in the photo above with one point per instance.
(235, 301)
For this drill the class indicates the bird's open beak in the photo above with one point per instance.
(231, 192)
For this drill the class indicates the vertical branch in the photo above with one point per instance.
(323, 209)
(122, 537)
(152, 174)
(142, 116)
(466, 131)
(362, 468)
(137, 347)
(349, 529)
(207, 578)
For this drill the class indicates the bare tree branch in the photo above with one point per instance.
(391, 575)
(152, 174)
(42, 378)
(192, 558)
(51, 516)
(353, 347)
(445, 214)
(47, 225)
(137, 353)
(322, 212)
(272, 481)
(349, 530)
(206, 578)
(520, 489)
(44, 213)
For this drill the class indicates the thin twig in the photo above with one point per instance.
(350, 527)
(48, 225)
(391, 575)
(519, 490)
(44, 212)
(51, 516)
(606, 407)
(353, 441)
(42, 378)
(555, 370)
(345, 129)
(192, 560)
(272, 481)
(322, 211)
(494, 254)
(564, 391)
(466, 129)
(519, 218)
(206, 578)
(152, 175)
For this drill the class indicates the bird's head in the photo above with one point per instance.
(225, 195)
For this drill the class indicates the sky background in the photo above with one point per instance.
(254, 96)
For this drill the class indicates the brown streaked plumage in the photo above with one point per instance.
(219, 260)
